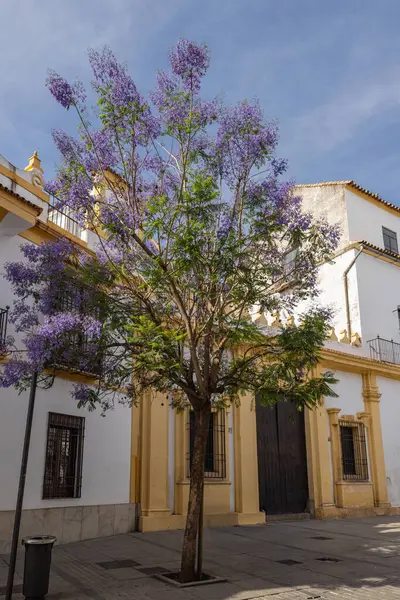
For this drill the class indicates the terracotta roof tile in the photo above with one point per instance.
(24, 200)
(380, 250)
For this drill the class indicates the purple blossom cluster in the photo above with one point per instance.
(189, 61)
(172, 182)
(66, 94)
(108, 72)
(244, 140)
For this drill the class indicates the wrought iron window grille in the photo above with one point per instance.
(354, 450)
(64, 456)
(215, 458)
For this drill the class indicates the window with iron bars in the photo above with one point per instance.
(215, 458)
(64, 453)
(354, 451)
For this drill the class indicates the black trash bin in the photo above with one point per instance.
(37, 566)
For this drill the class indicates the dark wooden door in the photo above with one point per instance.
(282, 460)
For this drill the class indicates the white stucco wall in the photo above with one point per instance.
(9, 252)
(106, 455)
(390, 417)
(349, 390)
(365, 220)
(379, 294)
(374, 284)
(332, 295)
(328, 202)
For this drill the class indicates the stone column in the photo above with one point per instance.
(319, 463)
(246, 463)
(154, 462)
(371, 397)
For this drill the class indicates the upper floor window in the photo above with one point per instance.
(390, 240)
(78, 352)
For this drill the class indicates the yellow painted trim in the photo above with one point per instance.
(49, 232)
(20, 208)
(379, 256)
(174, 522)
(37, 191)
(372, 200)
(154, 454)
(366, 250)
(351, 363)
(71, 376)
(37, 236)
(318, 456)
(60, 232)
(372, 417)
(3, 213)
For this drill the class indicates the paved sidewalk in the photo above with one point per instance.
(322, 560)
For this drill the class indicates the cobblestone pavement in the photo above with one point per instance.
(298, 560)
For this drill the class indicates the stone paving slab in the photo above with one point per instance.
(363, 563)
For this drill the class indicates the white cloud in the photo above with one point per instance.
(336, 121)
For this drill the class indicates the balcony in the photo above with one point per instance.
(78, 354)
(3, 324)
(384, 350)
(64, 218)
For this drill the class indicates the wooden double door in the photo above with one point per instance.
(282, 459)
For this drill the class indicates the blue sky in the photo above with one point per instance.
(328, 71)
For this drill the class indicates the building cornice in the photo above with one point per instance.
(18, 180)
(352, 363)
(8, 194)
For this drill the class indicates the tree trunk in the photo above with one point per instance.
(188, 561)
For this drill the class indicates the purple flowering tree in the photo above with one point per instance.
(195, 227)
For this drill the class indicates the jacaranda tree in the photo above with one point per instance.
(195, 228)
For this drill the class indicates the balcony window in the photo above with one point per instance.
(290, 261)
(77, 351)
(390, 240)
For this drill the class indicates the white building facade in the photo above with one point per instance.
(363, 287)
(78, 482)
(90, 476)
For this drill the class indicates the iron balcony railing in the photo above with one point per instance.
(3, 324)
(64, 218)
(384, 350)
(78, 353)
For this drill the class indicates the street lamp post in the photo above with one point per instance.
(21, 488)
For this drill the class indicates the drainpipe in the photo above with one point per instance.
(346, 291)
